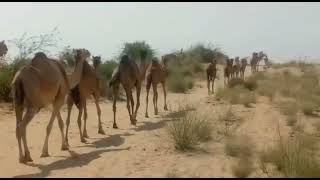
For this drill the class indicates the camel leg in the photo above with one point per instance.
(81, 107)
(138, 89)
(45, 152)
(165, 96)
(115, 93)
(208, 86)
(19, 112)
(147, 98)
(64, 146)
(85, 117)
(70, 104)
(96, 101)
(129, 97)
(23, 131)
(212, 84)
(155, 96)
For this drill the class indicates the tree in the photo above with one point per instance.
(28, 45)
(67, 56)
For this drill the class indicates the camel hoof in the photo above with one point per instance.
(22, 160)
(115, 126)
(65, 148)
(166, 108)
(146, 116)
(83, 140)
(101, 131)
(43, 155)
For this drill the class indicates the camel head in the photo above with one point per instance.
(81, 55)
(96, 61)
(3, 48)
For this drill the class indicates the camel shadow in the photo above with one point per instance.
(113, 140)
(170, 117)
(75, 160)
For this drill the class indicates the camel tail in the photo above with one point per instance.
(75, 94)
(18, 95)
(114, 79)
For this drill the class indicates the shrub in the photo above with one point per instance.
(189, 130)
(239, 147)
(6, 76)
(243, 168)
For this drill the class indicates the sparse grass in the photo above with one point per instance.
(290, 109)
(294, 157)
(237, 95)
(180, 84)
(189, 129)
(243, 168)
(317, 125)
(239, 147)
(292, 120)
(308, 107)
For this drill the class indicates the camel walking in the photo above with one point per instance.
(156, 73)
(127, 74)
(228, 71)
(211, 75)
(88, 86)
(41, 82)
(236, 68)
(243, 67)
(254, 62)
(3, 52)
(262, 56)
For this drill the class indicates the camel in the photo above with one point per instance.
(43, 81)
(128, 74)
(228, 71)
(156, 73)
(88, 86)
(264, 57)
(211, 75)
(243, 67)
(254, 62)
(236, 68)
(3, 51)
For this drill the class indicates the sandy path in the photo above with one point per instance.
(142, 151)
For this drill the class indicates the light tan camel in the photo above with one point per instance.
(243, 67)
(262, 56)
(88, 86)
(128, 75)
(228, 71)
(41, 82)
(156, 73)
(211, 75)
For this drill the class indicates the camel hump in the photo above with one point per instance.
(124, 59)
(40, 55)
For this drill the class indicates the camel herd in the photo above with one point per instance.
(234, 68)
(44, 81)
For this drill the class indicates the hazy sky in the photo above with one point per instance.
(282, 30)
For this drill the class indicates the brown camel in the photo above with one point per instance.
(236, 68)
(228, 71)
(211, 75)
(243, 67)
(41, 82)
(156, 73)
(127, 74)
(254, 62)
(88, 85)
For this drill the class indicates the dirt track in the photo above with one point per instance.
(141, 151)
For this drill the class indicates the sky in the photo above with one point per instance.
(282, 30)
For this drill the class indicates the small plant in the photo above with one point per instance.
(173, 173)
(239, 147)
(6, 76)
(189, 130)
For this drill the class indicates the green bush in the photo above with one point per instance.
(6, 76)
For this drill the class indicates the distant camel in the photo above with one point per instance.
(127, 74)
(41, 82)
(228, 71)
(262, 56)
(254, 62)
(211, 75)
(156, 73)
(88, 85)
(243, 67)
(236, 68)
(3, 52)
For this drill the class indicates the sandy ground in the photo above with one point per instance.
(142, 151)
